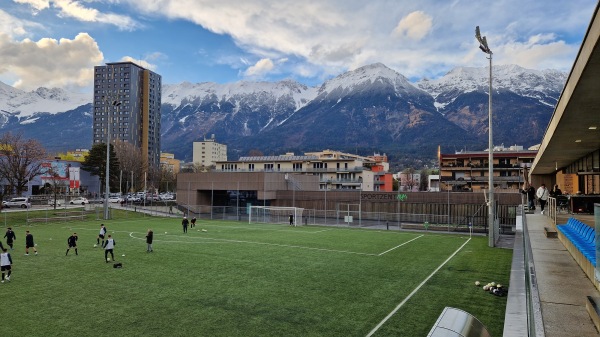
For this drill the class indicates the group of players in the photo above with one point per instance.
(6, 259)
(108, 243)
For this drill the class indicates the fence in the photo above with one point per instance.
(340, 217)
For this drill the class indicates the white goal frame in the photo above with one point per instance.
(275, 214)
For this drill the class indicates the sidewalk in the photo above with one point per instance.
(562, 285)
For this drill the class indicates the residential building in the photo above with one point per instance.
(129, 98)
(336, 170)
(434, 183)
(468, 170)
(208, 152)
(408, 182)
(168, 161)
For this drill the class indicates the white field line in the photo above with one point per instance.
(265, 229)
(252, 242)
(268, 244)
(415, 290)
(400, 245)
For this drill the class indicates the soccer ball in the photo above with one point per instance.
(165, 232)
(486, 288)
(108, 259)
(95, 246)
(123, 255)
(477, 283)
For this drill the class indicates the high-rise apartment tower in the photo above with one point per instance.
(128, 97)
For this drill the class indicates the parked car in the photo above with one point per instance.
(115, 199)
(79, 201)
(17, 202)
(133, 198)
(58, 202)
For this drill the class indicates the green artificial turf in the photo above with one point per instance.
(237, 279)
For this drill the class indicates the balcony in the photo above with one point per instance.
(290, 170)
(346, 181)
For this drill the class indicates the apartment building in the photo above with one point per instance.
(468, 170)
(336, 170)
(209, 152)
(127, 102)
(169, 163)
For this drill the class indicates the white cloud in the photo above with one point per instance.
(414, 26)
(416, 38)
(38, 5)
(551, 54)
(50, 63)
(259, 69)
(14, 27)
(141, 63)
(74, 9)
(318, 39)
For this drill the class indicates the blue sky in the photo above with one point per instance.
(56, 43)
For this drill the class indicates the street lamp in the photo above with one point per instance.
(115, 104)
(486, 49)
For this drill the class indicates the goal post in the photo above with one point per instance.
(276, 215)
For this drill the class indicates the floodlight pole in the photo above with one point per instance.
(491, 205)
(115, 103)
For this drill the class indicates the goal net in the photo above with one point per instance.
(276, 215)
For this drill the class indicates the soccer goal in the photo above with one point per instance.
(277, 215)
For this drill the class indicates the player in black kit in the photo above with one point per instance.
(72, 242)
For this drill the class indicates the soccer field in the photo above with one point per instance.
(237, 279)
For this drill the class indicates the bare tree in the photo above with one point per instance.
(20, 160)
(131, 161)
(409, 180)
(167, 177)
(55, 184)
(255, 153)
(197, 168)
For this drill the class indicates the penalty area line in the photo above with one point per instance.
(215, 240)
(393, 312)
(400, 245)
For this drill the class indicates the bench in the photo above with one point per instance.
(550, 233)
(580, 241)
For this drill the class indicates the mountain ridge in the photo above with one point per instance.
(372, 108)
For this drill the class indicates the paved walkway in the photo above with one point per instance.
(562, 285)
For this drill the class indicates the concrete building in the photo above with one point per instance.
(468, 170)
(433, 183)
(168, 161)
(129, 98)
(336, 170)
(209, 152)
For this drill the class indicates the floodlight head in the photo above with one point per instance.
(477, 34)
(483, 45)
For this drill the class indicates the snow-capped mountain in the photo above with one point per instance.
(368, 77)
(522, 100)
(25, 105)
(542, 85)
(370, 109)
